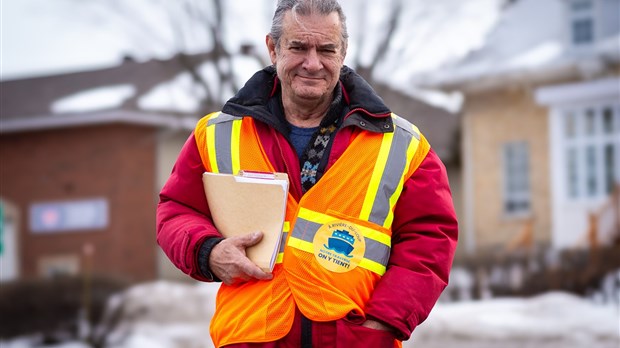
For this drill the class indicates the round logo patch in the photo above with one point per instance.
(339, 246)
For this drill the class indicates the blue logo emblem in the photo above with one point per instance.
(341, 242)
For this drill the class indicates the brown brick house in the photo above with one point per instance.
(110, 163)
(82, 185)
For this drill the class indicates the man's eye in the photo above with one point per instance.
(296, 48)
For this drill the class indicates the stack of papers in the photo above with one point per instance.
(249, 202)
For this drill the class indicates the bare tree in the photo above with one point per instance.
(398, 38)
(365, 69)
(192, 29)
(389, 39)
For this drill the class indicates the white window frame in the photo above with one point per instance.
(583, 143)
(570, 216)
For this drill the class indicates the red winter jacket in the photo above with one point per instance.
(425, 229)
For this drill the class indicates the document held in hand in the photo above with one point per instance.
(249, 202)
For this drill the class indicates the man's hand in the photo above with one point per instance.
(229, 262)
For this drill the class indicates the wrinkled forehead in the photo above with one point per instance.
(316, 27)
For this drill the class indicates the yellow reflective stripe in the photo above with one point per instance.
(286, 227)
(411, 150)
(377, 173)
(372, 266)
(315, 217)
(280, 258)
(211, 147)
(301, 244)
(375, 235)
(322, 219)
(234, 146)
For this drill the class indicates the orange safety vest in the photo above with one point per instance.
(336, 240)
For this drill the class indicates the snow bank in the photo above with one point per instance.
(164, 314)
(554, 316)
(161, 315)
(170, 315)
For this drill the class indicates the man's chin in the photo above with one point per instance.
(311, 94)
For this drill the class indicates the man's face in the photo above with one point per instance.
(309, 58)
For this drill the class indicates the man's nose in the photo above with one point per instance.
(313, 60)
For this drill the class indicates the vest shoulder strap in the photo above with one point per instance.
(422, 146)
(219, 131)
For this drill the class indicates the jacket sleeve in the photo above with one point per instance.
(424, 237)
(183, 219)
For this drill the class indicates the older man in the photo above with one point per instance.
(370, 227)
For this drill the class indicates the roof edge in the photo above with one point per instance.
(604, 88)
(25, 124)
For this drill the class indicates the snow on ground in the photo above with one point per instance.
(555, 319)
(169, 315)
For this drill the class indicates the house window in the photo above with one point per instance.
(591, 177)
(582, 22)
(516, 178)
(572, 172)
(610, 167)
(581, 5)
(583, 32)
(608, 120)
(570, 125)
(590, 126)
(592, 150)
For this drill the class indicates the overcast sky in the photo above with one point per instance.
(41, 37)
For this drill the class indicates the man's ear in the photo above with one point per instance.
(271, 47)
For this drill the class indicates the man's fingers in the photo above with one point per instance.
(247, 271)
(249, 267)
(260, 274)
(253, 271)
(229, 262)
(250, 239)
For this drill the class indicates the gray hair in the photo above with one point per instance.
(305, 8)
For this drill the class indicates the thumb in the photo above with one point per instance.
(251, 239)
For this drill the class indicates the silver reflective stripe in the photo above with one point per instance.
(378, 252)
(392, 174)
(306, 230)
(223, 138)
(405, 125)
(223, 124)
(283, 241)
(221, 118)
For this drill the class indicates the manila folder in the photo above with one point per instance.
(246, 203)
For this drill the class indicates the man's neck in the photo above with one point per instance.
(305, 121)
(305, 116)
